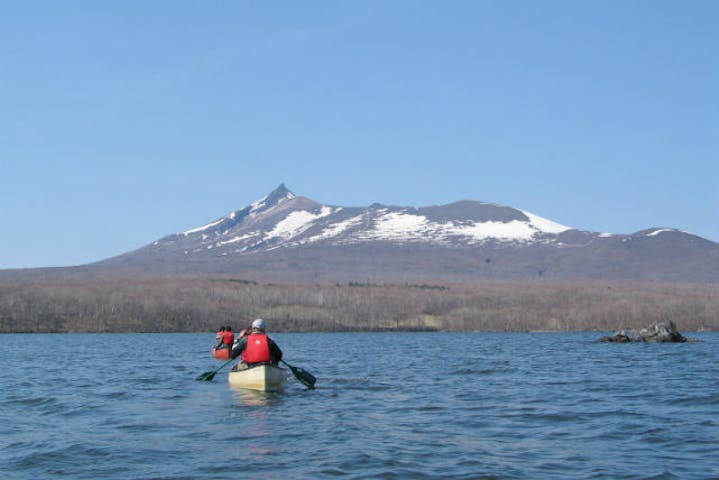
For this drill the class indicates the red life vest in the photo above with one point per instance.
(229, 338)
(257, 350)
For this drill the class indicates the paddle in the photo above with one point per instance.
(305, 377)
(207, 376)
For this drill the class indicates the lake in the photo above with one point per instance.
(387, 405)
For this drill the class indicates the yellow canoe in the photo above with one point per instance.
(264, 377)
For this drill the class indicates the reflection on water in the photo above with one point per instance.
(254, 398)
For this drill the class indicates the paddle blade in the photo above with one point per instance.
(303, 376)
(207, 376)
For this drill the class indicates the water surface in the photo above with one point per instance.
(388, 405)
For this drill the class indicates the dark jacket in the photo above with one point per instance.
(275, 352)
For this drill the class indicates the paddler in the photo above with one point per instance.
(228, 338)
(256, 346)
(220, 338)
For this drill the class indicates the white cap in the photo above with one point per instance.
(259, 324)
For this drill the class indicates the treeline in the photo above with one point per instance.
(193, 305)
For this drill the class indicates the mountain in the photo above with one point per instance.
(285, 237)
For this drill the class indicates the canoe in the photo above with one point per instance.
(221, 354)
(263, 376)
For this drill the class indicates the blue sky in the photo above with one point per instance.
(124, 121)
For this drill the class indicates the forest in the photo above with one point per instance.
(204, 304)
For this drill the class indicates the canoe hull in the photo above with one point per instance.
(221, 354)
(264, 377)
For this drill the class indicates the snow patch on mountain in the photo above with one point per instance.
(203, 228)
(509, 231)
(400, 226)
(544, 225)
(658, 231)
(297, 222)
(337, 228)
(236, 239)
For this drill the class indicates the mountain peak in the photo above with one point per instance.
(279, 193)
(274, 198)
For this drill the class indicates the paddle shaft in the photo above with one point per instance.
(211, 374)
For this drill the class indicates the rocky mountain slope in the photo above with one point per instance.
(284, 237)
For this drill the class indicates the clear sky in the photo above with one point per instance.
(125, 121)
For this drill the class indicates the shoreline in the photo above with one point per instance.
(201, 305)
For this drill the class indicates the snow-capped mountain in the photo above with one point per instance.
(284, 220)
(287, 236)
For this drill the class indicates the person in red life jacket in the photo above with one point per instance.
(257, 347)
(228, 338)
(220, 338)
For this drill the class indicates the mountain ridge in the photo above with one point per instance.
(283, 236)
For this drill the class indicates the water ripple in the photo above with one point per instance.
(511, 406)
